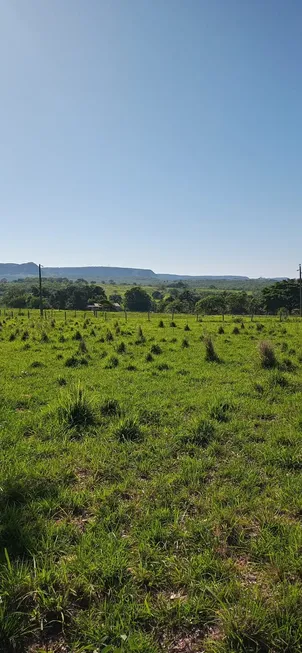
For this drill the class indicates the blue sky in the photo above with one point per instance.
(163, 134)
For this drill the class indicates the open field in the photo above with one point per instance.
(151, 500)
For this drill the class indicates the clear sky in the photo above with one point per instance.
(164, 134)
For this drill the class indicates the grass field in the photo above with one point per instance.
(150, 498)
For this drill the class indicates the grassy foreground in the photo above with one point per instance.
(150, 499)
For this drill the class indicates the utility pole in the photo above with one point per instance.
(300, 288)
(40, 291)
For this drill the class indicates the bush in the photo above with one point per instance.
(187, 328)
(121, 348)
(149, 358)
(211, 355)
(36, 364)
(162, 367)
(77, 336)
(242, 325)
(109, 336)
(131, 368)
(172, 324)
(110, 407)
(92, 332)
(12, 337)
(236, 331)
(267, 354)
(156, 349)
(128, 430)
(62, 381)
(185, 343)
(112, 362)
(161, 324)
(25, 335)
(77, 409)
(61, 338)
(44, 337)
(259, 326)
(221, 330)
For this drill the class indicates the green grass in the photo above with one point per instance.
(150, 498)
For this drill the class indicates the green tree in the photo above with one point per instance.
(211, 304)
(137, 299)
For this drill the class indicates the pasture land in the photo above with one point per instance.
(150, 490)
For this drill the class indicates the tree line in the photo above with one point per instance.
(64, 294)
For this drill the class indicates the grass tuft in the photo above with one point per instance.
(76, 409)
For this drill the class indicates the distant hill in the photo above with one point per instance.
(13, 271)
(18, 271)
(179, 277)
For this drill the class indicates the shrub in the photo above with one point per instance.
(53, 323)
(25, 335)
(236, 331)
(12, 337)
(267, 354)
(61, 338)
(92, 332)
(259, 326)
(112, 362)
(173, 340)
(163, 366)
(121, 348)
(36, 364)
(109, 336)
(211, 355)
(185, 343)
(128, 430)
(117, 330)
(202, 433)
(62, 381)
(156, 349)
(131, 368)
(242, 325)
(77, 409)
(44, 337)
(220, 411)
(110, 407)
(221, 330)
(161, 324)
(149, 358)
(172, 324)
(77, 336)
(187, 328)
